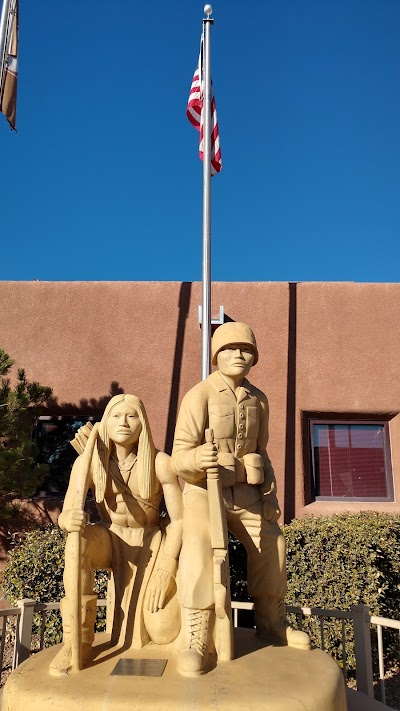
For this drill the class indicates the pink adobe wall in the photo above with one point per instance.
(339, 355)
(79, 337)
(348, 345)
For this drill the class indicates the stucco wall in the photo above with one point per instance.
(89, 339)
(348, 340)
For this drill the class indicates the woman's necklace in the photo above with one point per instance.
(127, 464)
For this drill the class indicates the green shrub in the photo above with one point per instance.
(20, 472)
(35, 570)
(333, 562)
(238, 570)
(343, 560)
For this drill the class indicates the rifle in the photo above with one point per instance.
(74, 545)
(219, 543)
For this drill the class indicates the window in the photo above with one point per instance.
(351, 460)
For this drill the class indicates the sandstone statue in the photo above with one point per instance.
(168, 609)
(120, 466)
(236, 413)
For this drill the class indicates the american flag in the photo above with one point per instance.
(195, 115)
(9, 68)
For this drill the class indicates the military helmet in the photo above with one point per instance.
(233, 332)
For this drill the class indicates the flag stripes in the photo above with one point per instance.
(195, 114)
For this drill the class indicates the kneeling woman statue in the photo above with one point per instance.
(120, 466)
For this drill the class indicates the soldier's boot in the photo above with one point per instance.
(62, 661)
(271, 626)
(193, 658)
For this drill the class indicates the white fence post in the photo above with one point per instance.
(23, 632)
(362, 645)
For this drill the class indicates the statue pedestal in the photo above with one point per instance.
(267, 678)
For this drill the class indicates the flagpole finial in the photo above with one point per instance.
(208, 10)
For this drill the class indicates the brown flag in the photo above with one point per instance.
(8, 103)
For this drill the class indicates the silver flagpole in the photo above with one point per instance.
(3, 38)
(206, 306)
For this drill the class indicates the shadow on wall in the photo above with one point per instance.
(44, 510)
(183, 306)
(290, 444)
(91, 407)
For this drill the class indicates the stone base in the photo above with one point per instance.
(260, 677)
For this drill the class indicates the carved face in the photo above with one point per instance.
(235, 360)
(123, 424)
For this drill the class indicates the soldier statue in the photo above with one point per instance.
(237, 413)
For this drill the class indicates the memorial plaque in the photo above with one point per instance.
(139, 667)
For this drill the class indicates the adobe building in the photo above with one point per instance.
(329, 363)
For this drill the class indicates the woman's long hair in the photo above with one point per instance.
(146, 476)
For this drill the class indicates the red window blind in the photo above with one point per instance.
(349, 460)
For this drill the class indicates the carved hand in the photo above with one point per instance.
(72, 520)
(159, 587)
(206, 456)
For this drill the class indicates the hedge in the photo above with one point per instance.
(343, 560)
(35, 570)
(333, 562)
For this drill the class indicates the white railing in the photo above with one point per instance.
(358, 615)
(23, 615)
(380, 623)
(4, 616)
(361, 621)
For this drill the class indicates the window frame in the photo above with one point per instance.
(387, 458)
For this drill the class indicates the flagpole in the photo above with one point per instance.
(206, 286)
(3, 37)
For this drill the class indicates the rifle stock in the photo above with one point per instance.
(219, 543)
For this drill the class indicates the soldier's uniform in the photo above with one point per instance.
(239, 421)
(240, 426)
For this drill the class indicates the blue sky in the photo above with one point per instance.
(102, 180)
